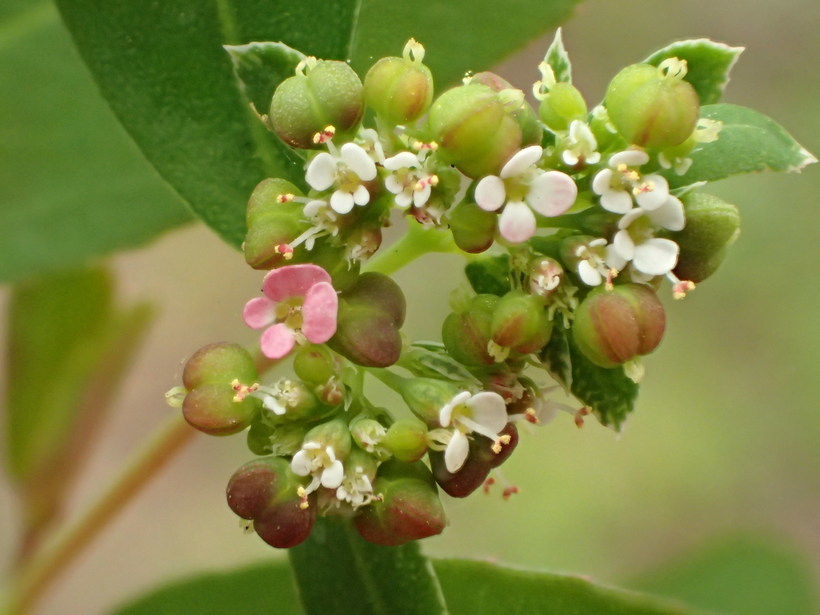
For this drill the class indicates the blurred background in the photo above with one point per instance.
(715, 482)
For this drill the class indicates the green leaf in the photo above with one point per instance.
(428, 361)
(558, 59)
(337, 571)
(260, 67)
(708, 63)
(556, 359)
(482, 588)
(748, 141)
(74, 186)
(608, 393)
(490, 274)
(264, 589)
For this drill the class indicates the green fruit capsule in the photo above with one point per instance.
(274, 220)
(561, 105)
(473, 228)
(400, 90)
(520, 322)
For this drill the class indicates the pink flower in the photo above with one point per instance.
(299, 305)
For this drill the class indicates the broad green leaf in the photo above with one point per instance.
(337, 571)
(738, 575)
(608, 393)
(74, 186)
(263, 589)
(68, 347)
(490, 274)
(708, 63)
(260, 67)
(558, 59)
(482, 588)
(748, 141)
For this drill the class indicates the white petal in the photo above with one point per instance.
(341, 202)
(517, 222)
(614, 260)
(490, 193)
(623, 245)
(313, 207)
(656, 256)
(552, 193)
(358, 161)
(670, 215)
(569, 157)
(301, 463)
(393, 184)
(657, 196)
(333, 475)
(601, 183)
(617, 201)
(589, 275)
(403, 200)
(446, 412)
(630, 157)
(402, 160)
(630, 217)
(456, 452)
(489, 410)
(420, 197)
(361, 196)
(521, 161)
(321, 172)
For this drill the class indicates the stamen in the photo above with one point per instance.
(509, 491)
(285, 198)
(487, 484)
(303, 496)
(500, 443)
(285, 250)
(579, 417)
(531, 416)
(243, 390)
(325, 135)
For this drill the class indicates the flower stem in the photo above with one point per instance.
(417, 241)
(43, 568)
(394, 381)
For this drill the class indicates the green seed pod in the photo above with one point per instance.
(212, 409)
(711, 225)
(273, 221)
(466, 335)
(315, 364)
(326, 93)
(473, 228)
(406, 440)
(612, 327)
(400, 90)
(219, 363)
(520, 322)
(653, 106)
(515, 105)
(561, 105)
(474, 130)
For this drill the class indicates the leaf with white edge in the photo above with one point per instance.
(435, 363)
(260, 67)
(748, 141)
(708, 65)
(608, 393)
(558, 59)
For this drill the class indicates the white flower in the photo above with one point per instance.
(592, 267)
(357, 489)
(635, 240)
(621, 182)
(522, 187)
(320, 463)
(484, 413)
(345, 170)
(408, 180)
(580, 145)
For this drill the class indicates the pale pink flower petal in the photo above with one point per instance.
(552, 193)
(277, 341)
(517, 222)
(490, 193)
(259, 312)
(292, 281)
(319, 313)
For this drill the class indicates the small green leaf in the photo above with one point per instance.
(608, 393)
(558, 59)
(490, 274)
(482, 588)
(263, 589)
(434, 362)
(261, 67)
(556, 359)
(337, 571)
(708, 63)
(748, 141)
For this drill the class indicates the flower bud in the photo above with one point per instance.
(335, 433)
(427, 396)
(327, 93)
(653, 106)
(473, 228)
(520, 322)
(466, 335)
(273, 222)
(408, 509)
(280, 439)
(315, 364)
(615, 326)
(711, 226)
(400, 90)
(545, 276)
(561, 105)
(516, 106)
(369, 435)
(406, 440)
(474, 130)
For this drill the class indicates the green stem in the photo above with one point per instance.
(417, 241)
(43, 568)
(394, 381)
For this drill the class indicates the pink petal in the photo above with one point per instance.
(259, 312)
(277, 341)
(517, 222)
(319, 313)
(490, 193)
(292, 281)
(552, 193)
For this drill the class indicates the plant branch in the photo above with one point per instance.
(417, 241)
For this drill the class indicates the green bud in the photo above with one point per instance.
(273, 221)
(326, 93)
(212, 408)
(427, 396)
(474, 130)
(315, 364)
(400, 90)
(561, 105)
(334, 433)
(520, 322)
(279, 439)
(711, 225)
(406, 440)
(653, 106)
(219, 363)
(614, 326)
(369, 435)
(466, 335)
(473, 228)
(516, 106)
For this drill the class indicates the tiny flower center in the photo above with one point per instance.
(290, 313)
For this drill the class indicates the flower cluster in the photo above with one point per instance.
(585, 215)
